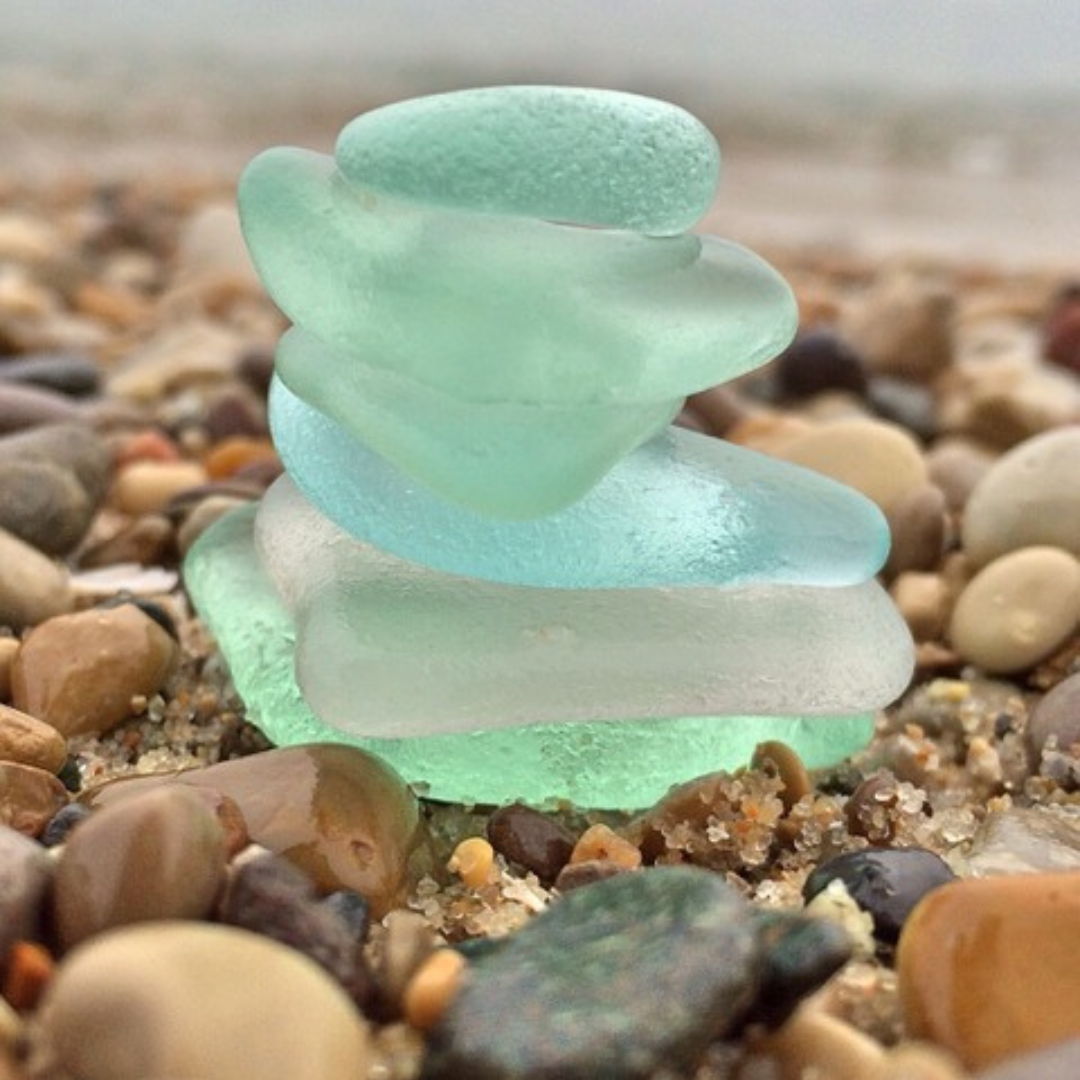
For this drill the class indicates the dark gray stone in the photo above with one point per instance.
(72, 375)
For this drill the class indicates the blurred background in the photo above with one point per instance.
(945, 126)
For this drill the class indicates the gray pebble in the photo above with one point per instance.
(74, 447)
(28, 406)
(72, 375)
(1056, 716)
(44, 505)
(25, 874)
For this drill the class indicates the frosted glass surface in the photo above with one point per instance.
(627, 764)
(596, 157)
(683, 509)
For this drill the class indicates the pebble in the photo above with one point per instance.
(578, 875)
(72, 447)
(918, 526)
(911, 405)
(236, 411)
(432, 987)
(1031, 495)
(1061, 333)
(267, 894)
(338, 813)
(179, 999)
(29, 797)
(887, 883)
(1017, 610)
(80, 672)
(617, 979)
(43, 505)
(73, 375)
(28, 741)
(1056, 716)
(956, 467)
(160, 855)
(990, 967)
(903, 326)
(813, 1043)
(24, 407)
(202, 516)
(26, 873)
(878, 459)
(924, 600)
(145, 487)
(148, 541)
(211, 250)
(1055, 1062)
(1025, 840)
(9, 646)
(61, 824)
(406, 945)
(234, 453)
(817, 361)
(600, 843)
(788, 766)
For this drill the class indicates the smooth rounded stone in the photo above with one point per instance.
(61, 824)
(876, 458)
(236, 410)
(616, 979)
(32, 588)
(44, 505)
(911, 405)
(1056, 716)
(270, 896)
(26, 873)
(158, 855)
(9, 646)
(181, 999)
(148, 541)
(24, 407)
(585, 156)
(818, 361)
(29, 797)
(73, 375)
(990, 967)
(1061, 331)
(30, 239)
(79, 672)
(683, 509)
(1031, 495)
(363, 614)
(531, 393)
(1025, 840)
(957, 466)
(72, 447)
(918, 526)
(28, 741)
(530, 839)
(813, 1043)
(885, 882)
(925, 602)
(211, 252)
(145, 487)
(1055, 1062)
(340, 814)
(1017, 610)
(903, 326)
(627, 765)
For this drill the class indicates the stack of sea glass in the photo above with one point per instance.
(492, 561)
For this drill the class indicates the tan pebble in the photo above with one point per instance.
(990, 967)
(9, 646)
(789, 767)
(956, 466)
(158, 855)
(918, 1061)
(1030, 496)
(80, 672)
(876, 458)
(768, 431)
(432, 987)
(1018, 610)
(29, 797)
(601, 842)
(25, 239)
(472, 860)
(212, 252)
(32, 587)
(202, 1001)
(28, 741)
(117, 307)
(406, 945)
(144, 487)
(203, 516)
(813, 1043)
(923, 600)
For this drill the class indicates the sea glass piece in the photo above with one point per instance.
(505, 362)
(683, 509)
(594, 157)
(385, 647)
(615, 765)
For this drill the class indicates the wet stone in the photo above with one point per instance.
(25, 875)
(530, 839)
(29, 741)
(29, 797)
(615, 980)
(887, 883)
(158, 856)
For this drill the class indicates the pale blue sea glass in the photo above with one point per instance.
(683, 509)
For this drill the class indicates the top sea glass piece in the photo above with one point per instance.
(589, 157)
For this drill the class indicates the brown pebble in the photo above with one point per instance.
(28, 741)
(789, 767)
(147, 540)
(159, 855)
(234, 453)
(9, 646)
(924, 600)
(29, 797)
(869, 809)
(144, 487)
(917, 523)
(990, 967)
(530, 839)
(80, 672)
(432, 987)
(578, 875)
(601, 842)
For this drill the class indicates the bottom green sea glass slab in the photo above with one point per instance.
(614, 765)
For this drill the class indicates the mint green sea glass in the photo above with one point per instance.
(594, 157)
(618, 764)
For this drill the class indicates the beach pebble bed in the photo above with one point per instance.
(178, 898)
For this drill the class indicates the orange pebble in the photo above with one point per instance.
(599, 842)
(147, 446)
(432, 987)
(472, 861)
(233, 453)
(29, 968)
